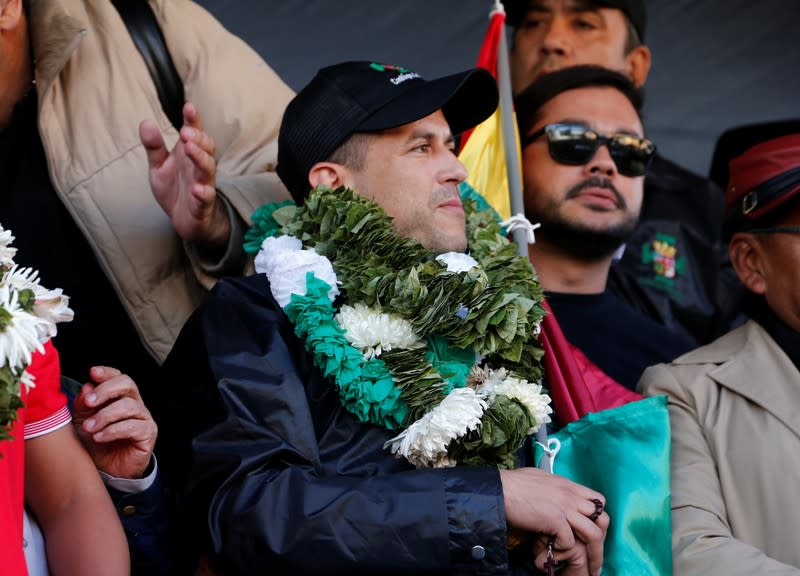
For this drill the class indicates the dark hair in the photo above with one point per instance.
(352, 152)
(633, 39)
(529, 102)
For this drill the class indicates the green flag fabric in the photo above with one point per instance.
(624, 453)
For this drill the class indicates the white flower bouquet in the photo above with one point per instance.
(28, 317)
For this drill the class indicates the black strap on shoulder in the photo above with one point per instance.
(143, 27)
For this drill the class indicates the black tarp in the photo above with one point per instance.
(716, 63)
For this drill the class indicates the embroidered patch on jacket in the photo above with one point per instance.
(662, 255)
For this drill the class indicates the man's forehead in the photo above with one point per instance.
(565, 5)
(602, 108)
(434, 124)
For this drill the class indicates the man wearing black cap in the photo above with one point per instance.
(301, 473)
(672, 267)
(733, 403)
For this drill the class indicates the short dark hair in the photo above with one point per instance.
(633, 40)
(529, 102)
(352, 152)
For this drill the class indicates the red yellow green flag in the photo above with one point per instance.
(482, 149)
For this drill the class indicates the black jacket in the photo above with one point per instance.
(287, 481)
(675, 267)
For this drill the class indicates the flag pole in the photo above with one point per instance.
(514, 171)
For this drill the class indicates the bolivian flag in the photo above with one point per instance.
(482, 149)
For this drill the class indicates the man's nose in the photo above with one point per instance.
(602, 163)
(454, 170)
(557, 37)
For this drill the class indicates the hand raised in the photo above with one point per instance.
(183, 180)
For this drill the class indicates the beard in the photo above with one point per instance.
(576, 239)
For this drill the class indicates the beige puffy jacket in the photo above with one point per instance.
(94, 89)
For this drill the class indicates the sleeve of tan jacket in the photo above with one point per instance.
(702, 542)
(241, 101)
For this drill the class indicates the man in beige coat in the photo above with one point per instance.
(734, 403)
(75, 190)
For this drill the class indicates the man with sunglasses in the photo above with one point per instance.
(672, 267)
(733, 403)
(584, 158)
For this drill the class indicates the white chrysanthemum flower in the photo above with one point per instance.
(7, 252)
(286, 264)
(20, 338)
(425, 442)
(28, 380)
(373, 331)
(457, 261)
(530, 395)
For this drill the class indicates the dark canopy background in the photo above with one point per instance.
(716, 63)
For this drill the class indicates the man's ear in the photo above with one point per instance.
(329, 174)
(639, 60)
(10, 14)
(746, 252)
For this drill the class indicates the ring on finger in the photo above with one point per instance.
(598, 509)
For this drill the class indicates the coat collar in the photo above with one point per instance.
(56, 28)
(752, 365)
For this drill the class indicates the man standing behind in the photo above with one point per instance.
(584, 156)
(672, 267)
(294, 474)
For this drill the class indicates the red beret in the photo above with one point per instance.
(763, 178)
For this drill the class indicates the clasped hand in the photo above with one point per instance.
(558, 510)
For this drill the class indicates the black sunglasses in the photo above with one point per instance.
(576, 144)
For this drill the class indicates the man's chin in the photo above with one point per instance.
(584, 242)
(449, 243)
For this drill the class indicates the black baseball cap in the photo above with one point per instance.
(635, 10)
(369, 97)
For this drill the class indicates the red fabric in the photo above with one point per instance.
(45, 402)
(577, 386)
(46, 408)
(487, 56)
(12, 466)
(759, 164)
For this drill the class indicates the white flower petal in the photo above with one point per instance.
(530, 395)
(7, 252)
(425, 442)
(286, 264)
(373, 331)
(53, 306)
(20, 338)
(28, 380)
(457, 261)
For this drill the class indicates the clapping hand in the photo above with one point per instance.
(183, 180)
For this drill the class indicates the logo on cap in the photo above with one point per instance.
(404, 73)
